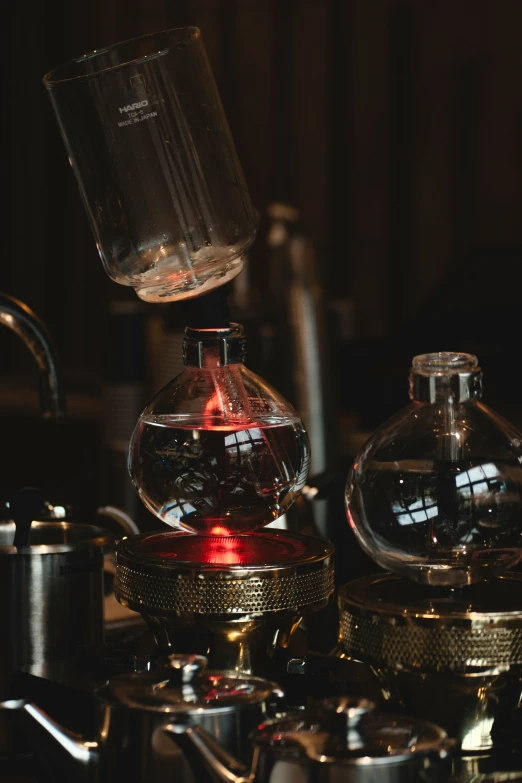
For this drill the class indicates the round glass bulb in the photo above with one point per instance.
(436, 492)
(218, 451)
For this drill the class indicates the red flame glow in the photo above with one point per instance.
(253, 549)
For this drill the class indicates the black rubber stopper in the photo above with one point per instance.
(209, 311)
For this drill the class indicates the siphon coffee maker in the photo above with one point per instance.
(218, 454)
(435, 498)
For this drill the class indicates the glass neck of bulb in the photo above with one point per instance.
(446, 375)
(211, 348)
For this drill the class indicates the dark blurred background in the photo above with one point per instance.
(393, 127)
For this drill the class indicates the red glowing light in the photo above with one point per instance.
(252, 549)
(224, 550)
(219, 530)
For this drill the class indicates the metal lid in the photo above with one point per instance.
(47, 538)
(387, 620)
(347, 731)
(154, 584)
(181, 685)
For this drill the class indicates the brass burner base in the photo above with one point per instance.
(453, 657)
(241, 616)
(258, 647)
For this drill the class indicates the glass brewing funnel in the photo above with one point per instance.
(149, 144)
(218, 451)
(436, 492)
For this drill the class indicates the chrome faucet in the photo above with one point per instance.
(32, 331)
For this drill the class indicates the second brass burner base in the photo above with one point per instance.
(241, 612)
(451, 657)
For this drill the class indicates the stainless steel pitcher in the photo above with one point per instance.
(51, 594)
(347, 742)
(134, 708)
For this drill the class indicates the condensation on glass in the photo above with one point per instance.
(150, 146)
(436, 492)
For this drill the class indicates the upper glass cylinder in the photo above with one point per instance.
(436, 492)
(150, 146)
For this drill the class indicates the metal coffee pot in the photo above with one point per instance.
(51, 589)
(134, 708)
(345, 742)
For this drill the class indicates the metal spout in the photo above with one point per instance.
(77, 757)
(206, 756)
(32, 331)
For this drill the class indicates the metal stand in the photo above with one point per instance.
(241, 613)
(453, 657)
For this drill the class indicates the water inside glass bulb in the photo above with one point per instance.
(216, 478)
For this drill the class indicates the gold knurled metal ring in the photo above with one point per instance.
(155, 586)
(463, 634)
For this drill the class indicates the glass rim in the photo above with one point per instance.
(49, 80)
(445, 363)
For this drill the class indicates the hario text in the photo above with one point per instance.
(131, 106)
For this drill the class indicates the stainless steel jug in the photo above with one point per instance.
(347, 742)
(135, 707)
(51, 594)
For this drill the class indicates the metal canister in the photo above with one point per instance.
(51, 594)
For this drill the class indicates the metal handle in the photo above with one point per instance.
(25, 507)
(72, 754)
(126, 523)
(206, 756)
(26, 324)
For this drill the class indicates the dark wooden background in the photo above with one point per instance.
(394, 126)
